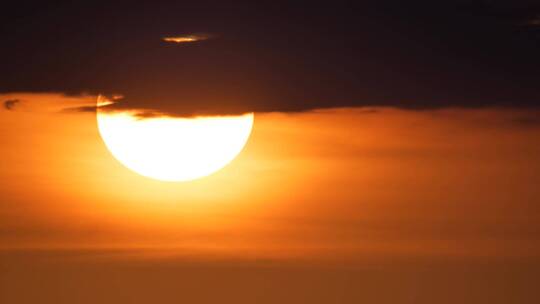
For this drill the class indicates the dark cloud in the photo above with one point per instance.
(275, 57)
(10, 104)
(82, 109)
(137, 112)
(527, 121)
(369, 111)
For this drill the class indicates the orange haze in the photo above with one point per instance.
(330, 184)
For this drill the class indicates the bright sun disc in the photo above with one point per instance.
(174, 149)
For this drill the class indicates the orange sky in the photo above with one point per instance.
(374, 205)
(335, 184)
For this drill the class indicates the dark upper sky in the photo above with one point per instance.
(277, 57)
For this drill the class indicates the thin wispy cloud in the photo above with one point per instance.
(186, 38)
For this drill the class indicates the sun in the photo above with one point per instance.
(174, 149)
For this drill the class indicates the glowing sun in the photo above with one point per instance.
(173, 149)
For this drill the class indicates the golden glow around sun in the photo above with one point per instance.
(174, 149)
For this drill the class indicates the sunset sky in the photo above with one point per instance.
(393, 157)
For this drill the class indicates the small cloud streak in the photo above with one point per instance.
(102, 101)
(83, 109)
(10, 104)
(186, 38)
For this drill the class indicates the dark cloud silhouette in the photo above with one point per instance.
(527, 121)
(10, 104)
(83, 109)
(277, 57)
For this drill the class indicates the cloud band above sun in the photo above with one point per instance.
(290, 60)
